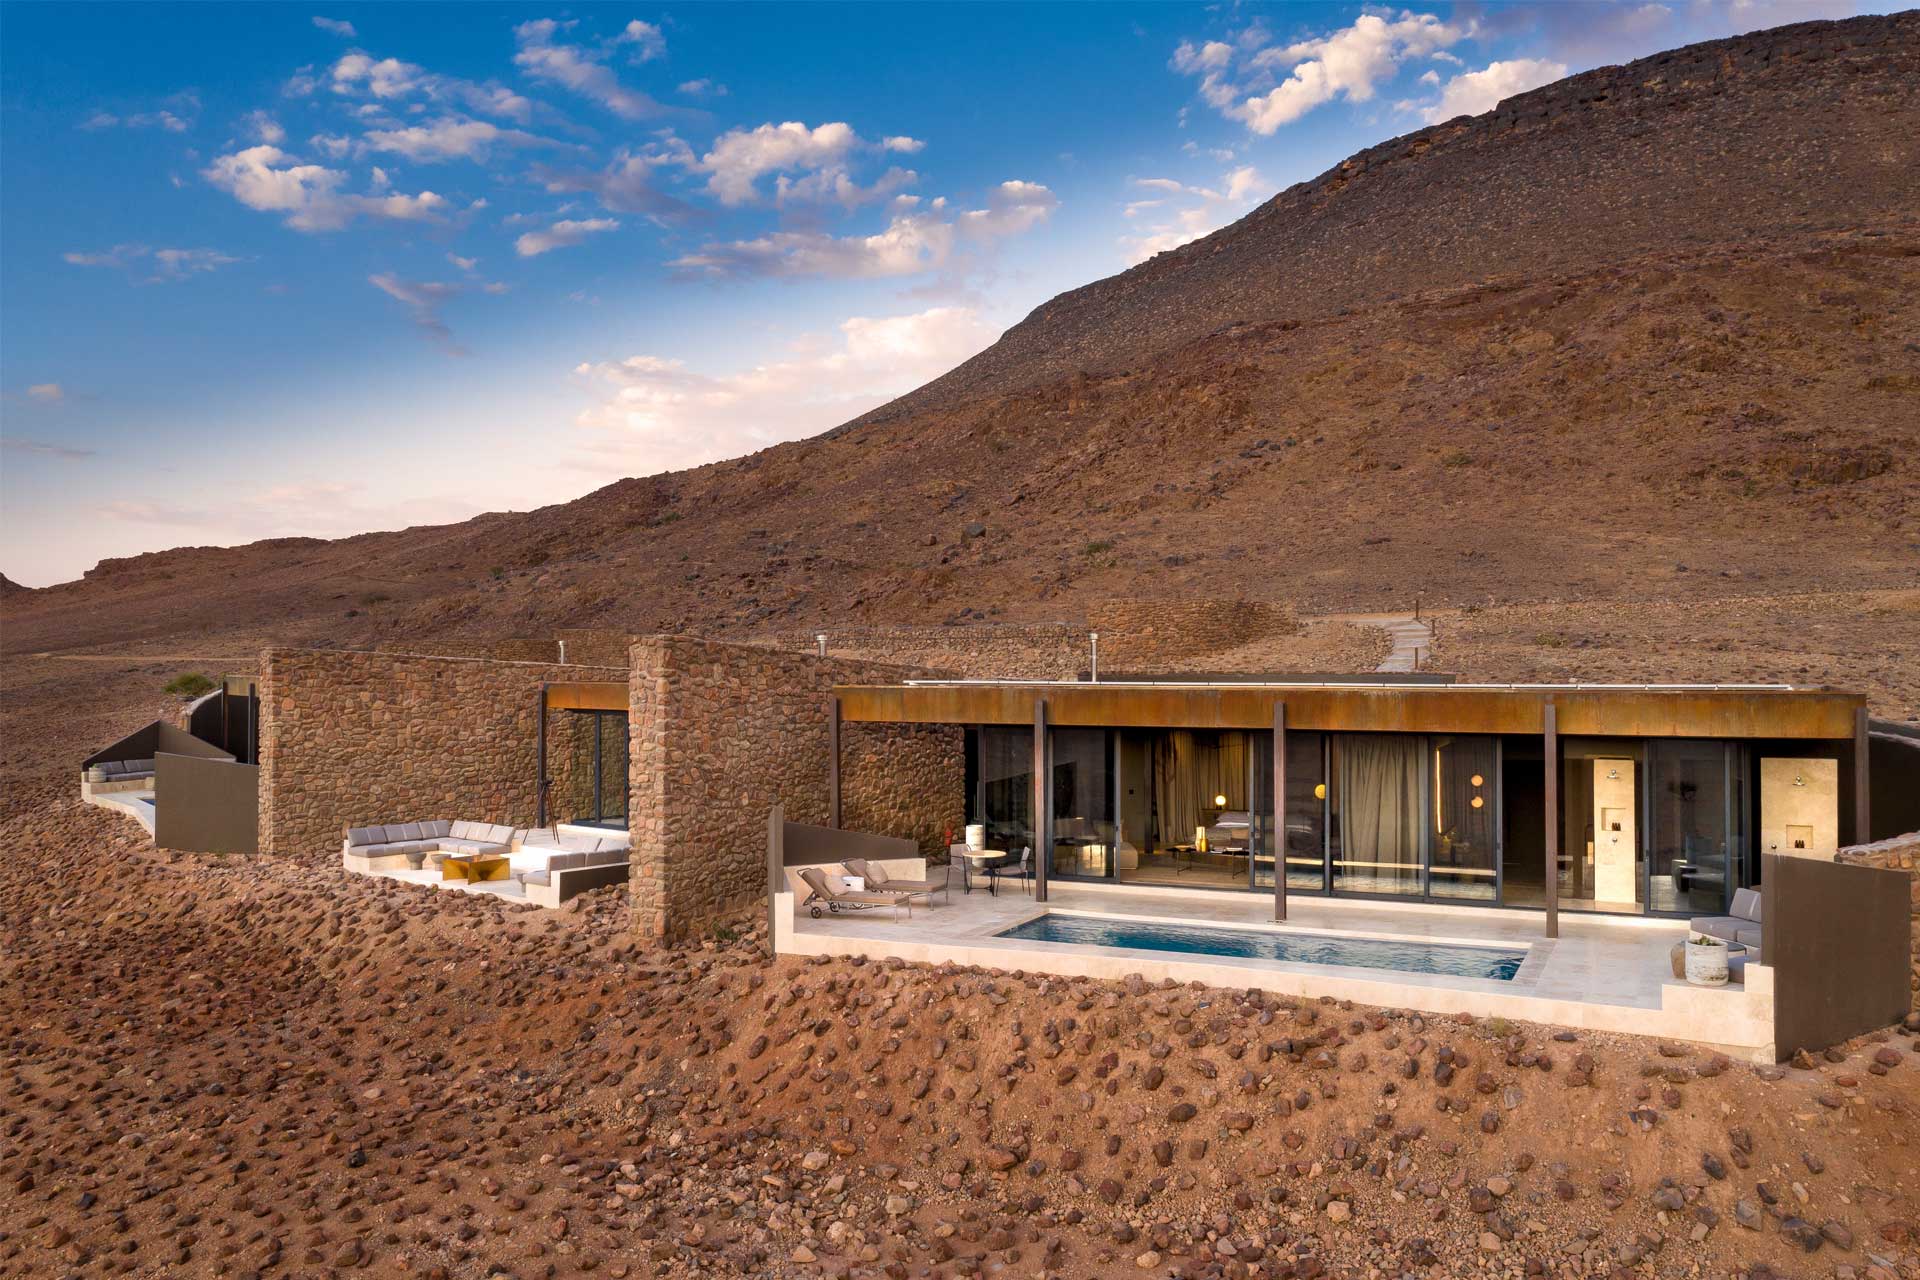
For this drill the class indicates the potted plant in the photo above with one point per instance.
(1706, 961)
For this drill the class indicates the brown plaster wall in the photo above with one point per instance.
(1902, 853)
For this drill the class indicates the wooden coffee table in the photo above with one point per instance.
(473, 867)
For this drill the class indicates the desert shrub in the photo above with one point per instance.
(189, 684)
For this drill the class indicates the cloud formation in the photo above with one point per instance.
(1174, 213)
(1473, 92)
(337, 27)
(561, 235)
(163, 266)
(916, 239)
(1265, 86)
(267, 179)
(451, 138)
(658, 414)
(422, 299)
(389, 80)
(47, 392)
(580, 69)
(628, 184)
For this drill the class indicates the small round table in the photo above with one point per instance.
(980, 859)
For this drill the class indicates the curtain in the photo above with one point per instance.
(1189, 770)
(1379, 779)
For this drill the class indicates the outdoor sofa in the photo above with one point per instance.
(1743, 926)
(440, 836)
(570, 865)
(123, 770)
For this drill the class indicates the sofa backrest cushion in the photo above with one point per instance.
(437, 828)
(412, 831)
(462, 830)
(566, 861)
(500, 833)
(364, 835)
(607, 858)
(1746, 903)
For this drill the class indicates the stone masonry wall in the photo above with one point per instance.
(1902, 853)
(353, 738)
(722, 732)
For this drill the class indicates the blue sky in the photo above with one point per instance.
(270, 270)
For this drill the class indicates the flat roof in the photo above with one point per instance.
(1602, 710)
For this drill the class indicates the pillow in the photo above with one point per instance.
(363, 835)
(412, 831)
(500, 833)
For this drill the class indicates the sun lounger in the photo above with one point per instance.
(824, 897)
(879, 880)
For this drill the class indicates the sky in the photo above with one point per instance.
(271, 270)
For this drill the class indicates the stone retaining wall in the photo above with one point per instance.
(720, 733)
(1902, 853)
(354, 738)
(1139, 636)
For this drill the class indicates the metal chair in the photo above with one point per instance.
(1022, 870)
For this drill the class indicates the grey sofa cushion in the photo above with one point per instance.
(607, 858)
(363, 835)
(1748, 936)
(500, 833)
(536, 877)
(1746, 904)
(435, 829)
(463, 830)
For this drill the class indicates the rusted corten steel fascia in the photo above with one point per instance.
(587, 695)
(1606, 712)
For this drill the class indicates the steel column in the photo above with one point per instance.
(1552, 727)
(833, 761)
(540, 759)
(1042, 848)
(1862, 781)
(1279, 830)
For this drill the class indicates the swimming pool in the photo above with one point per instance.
(1498, 963)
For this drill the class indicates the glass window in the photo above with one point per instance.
(1687, 871)
(1006, 787)
(1305, 833)
(1082, 802)
(1463, 863)
(1376, 803)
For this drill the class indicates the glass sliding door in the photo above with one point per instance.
(1464, 861)
(597, 794)
(1691, 803)
(1303, 833)
(1005, 800)
(1377, 822)
(1083, 802)
(1602, 844)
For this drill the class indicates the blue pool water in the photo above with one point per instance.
(1363, 953)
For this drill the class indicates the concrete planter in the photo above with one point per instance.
(1706, 963)
(417, 859)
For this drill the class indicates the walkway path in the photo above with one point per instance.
(1412, 638)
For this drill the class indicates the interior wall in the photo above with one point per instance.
(1616, 875)
(1801, 819)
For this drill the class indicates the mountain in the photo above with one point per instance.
(1648, 333)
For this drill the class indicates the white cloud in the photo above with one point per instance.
(647, 41)
(262, 127)
(1473, 92)
(741, 156)
(915, 240)
(422, 299)
(577, 69)
(178, 114)
(902, 143)
(658, 414)
(561, 235)
(47, 392)
(703, 88)
(166, 265)
(451, 138)
(465, 264)
(1243, 81)
(266, 179)
(1183, 214)
(626, 185)
(391, 80)
(836, 186)
(335, 26)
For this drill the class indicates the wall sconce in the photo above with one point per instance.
(1319, 791)
(1478, 802)
(1477, 780)
(1799, 781)
(1219, 802)
(1613, 775)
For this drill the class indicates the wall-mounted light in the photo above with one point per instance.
(1319, 791)
(1799, 781)
(1477, 780)
(1613, 775)
(1219, 802)
(1478, 802)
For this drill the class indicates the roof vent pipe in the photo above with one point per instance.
(820, 643)
(563, 651)
(1093, 663)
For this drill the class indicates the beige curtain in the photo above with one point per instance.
(1189, 770)
(1379, 780)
